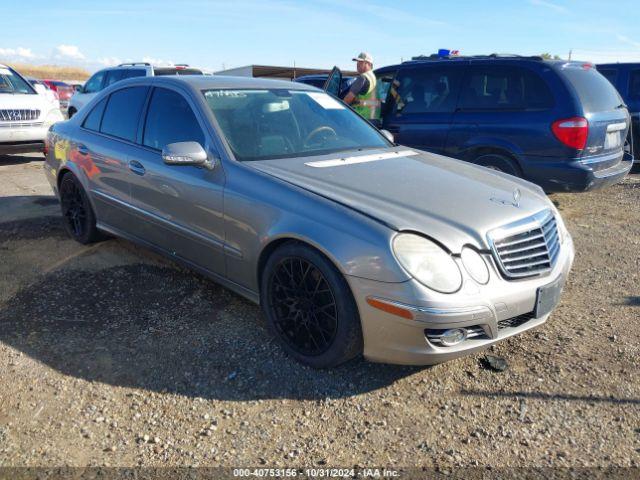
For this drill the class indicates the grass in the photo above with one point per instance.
(54, 72)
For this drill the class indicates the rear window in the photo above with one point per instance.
(594, 91)
(176, 71)
(609, 75)
(122, 115)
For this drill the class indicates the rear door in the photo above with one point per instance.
(421, 104)
(102, 150)
(179, 206)
(605, 111)
(505, 106)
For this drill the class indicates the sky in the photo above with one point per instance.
(316, 33)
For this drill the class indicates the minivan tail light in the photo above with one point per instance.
(573, 132)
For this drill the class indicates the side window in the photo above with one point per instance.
(132, 72)
(504, 88)
(609, 74)
(426, 90)
(92, 122)
(383, 85)
(112, 77)
(122, 114)
(634, 84)
(170, 120)
(94, 84)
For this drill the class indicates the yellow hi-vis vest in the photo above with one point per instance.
(367, 104)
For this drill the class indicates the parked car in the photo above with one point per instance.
(626, 78)
(349, 243)
(105, 77)
(319, 81)
(558, 124)
(26, 112)
(64, 91)
(50, 94)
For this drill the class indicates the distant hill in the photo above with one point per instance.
(54, 72)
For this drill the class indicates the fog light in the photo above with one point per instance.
(453, 336)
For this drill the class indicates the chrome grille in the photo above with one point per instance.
(528, 247)
(18, 114)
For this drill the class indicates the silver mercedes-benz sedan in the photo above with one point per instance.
(351, 244)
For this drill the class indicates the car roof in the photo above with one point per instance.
(618, 64)
(205, 82)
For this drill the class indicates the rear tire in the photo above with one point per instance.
(309, 307)
(77, 214)
(500, 163)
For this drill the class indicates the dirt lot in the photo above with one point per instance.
(110, 355)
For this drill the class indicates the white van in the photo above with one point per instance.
(26, 113)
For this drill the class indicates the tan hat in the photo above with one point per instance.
(364, 57)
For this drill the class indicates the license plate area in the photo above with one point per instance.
(612, 140)
(548, 297)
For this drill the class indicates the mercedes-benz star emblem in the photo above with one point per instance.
(516, 197)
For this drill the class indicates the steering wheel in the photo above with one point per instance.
(328, 132)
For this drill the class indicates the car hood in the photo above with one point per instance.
(451, 201)
(23, 101)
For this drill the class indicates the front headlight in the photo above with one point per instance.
(474, 265)
(53, 116)
(427, 262)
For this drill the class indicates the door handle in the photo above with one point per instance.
(136, 167)
(83, 150)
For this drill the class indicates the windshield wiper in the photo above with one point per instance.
(622, 105)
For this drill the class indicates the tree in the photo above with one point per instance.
(548, 56)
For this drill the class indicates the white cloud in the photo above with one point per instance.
(158, 62)
(71, 52)
(19, 52)
(553, 6)
(109, 61)
(628, 41)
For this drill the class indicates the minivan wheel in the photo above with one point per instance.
(77, 214)
(309, 307)
(501, 163)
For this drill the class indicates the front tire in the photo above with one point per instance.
(309, 307)
(77, 214)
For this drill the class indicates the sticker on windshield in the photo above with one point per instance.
(5, 71)
(325, 101)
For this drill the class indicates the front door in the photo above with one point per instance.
(422, 101)
(180, 206)
(333, 84)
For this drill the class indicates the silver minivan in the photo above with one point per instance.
(351, 244)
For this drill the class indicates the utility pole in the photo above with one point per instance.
(570, 54)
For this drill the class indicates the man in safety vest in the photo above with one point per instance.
(362, 94)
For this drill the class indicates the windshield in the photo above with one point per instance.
(267, 124)
(10, 82)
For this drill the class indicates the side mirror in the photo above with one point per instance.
(40, 89)
(186, 153)
(388, 135)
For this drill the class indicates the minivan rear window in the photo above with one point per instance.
(594, 91)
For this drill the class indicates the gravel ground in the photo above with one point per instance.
(112, 356)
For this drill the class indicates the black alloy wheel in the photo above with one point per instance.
(78, 217)
(305, 308)
(309, 307)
